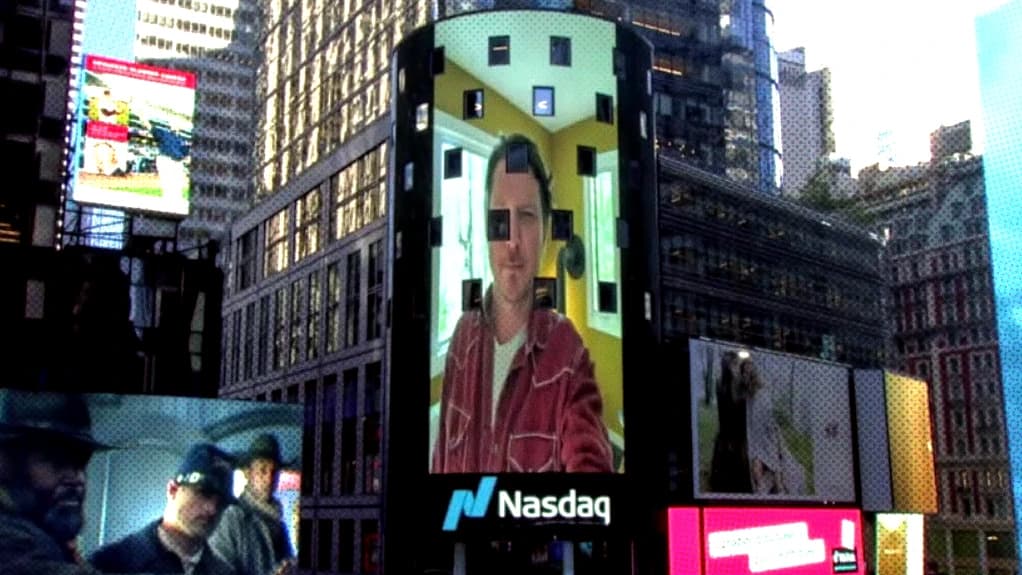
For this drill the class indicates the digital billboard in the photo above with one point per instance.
(791, 541)
(913, 477)
(769, 426)
(899, 544)
(203, 466)
(134, 150)
(778, 541)
(526, 315)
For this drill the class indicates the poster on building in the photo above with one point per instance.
(134, 149)
(525, 324)
(769, 426)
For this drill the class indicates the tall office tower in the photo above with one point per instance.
(35, 44)
(303, 317)
(941, 313)
(217, 41)
(806, 117)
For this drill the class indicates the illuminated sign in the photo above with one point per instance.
(135, 148)
(545, 397)
(516, 504)
(769, 426)
(899, 544)
(788, 541)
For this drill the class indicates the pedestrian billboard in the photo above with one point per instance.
(134, 137)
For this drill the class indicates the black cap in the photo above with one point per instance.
(265, 446)
(207, 468)
(42, 415)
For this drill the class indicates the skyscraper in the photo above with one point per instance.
(940, 310)
(217, 42)
(806, 116)
(34, 77)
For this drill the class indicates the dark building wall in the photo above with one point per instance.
(765, 272)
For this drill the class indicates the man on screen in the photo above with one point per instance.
(45, 444)
(176, 543)
(519, 392)
(251, 535)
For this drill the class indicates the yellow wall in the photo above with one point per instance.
(559, 152)
(913, 478)
(500, 117)
(604, 350)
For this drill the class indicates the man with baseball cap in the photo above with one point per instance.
(176, 543)
(251, 535)
(45, 444)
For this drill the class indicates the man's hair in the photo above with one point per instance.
(535, 165)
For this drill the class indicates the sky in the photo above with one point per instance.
(901, 66)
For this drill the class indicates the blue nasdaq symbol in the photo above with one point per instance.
(464, 502)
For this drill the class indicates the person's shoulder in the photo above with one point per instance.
(127, 554)
(554, 329)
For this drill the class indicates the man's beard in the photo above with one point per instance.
(60, 514)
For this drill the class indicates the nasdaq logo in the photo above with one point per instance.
(464, 502)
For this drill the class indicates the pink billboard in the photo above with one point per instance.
(780, 541)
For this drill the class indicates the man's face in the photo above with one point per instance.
(515, 262)
(47, 484)
(195, 512)
(262, 478)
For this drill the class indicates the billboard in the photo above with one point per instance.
(150, 448)
(778, 541)
(899, 544)
(913, 478)
(525, 317)
(769, 426)
(135, 145)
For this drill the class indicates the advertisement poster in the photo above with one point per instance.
(769, 426)
(135, 148)
(788, 541)
(525, 328)
(913, 477)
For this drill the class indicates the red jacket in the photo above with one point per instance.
(549, 412)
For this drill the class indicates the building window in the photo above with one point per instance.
(372, 429)
(353, 294)
(324, 545)
(297, 295)
(279, 328)
(349, 423)
(304, 543)
(247, 259)
(327, 435)
(560, 51)
(603, 287)
(308, 435)
(276, 245)
(375, 313)
(333, 307)
(307, 225)
(370, 546)
(312, 319)
(263, 333)
(250, 337)
(345, 545)
(500, 50)
(235, 346)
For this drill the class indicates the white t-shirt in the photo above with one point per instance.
(503, 355)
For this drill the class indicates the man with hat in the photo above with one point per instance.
(45, 444)
(252, 536)
(177, 542)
